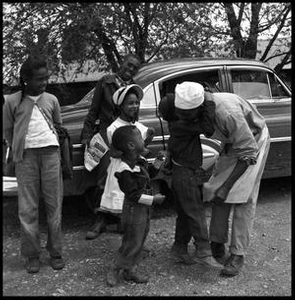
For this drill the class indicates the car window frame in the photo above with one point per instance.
(268, 71)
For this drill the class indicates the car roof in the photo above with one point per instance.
(153, 71)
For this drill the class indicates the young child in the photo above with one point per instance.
(36, 154)
(133, 179)
(194, 118)
(127, 100)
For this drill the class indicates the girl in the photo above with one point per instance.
(127, 100)
(35, 150)
(133, 179)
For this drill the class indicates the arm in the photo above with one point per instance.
(245, 148)
(222, 192)
(56, 115)
(133, 188)
(8, 122)
(93, 113)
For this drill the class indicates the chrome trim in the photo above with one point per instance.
(77, 146)
(78, 168)
(281, 139)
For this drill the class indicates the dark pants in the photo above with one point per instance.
(191, 217)
(136, 224)
(40, 174)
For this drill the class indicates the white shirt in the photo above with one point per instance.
(39, 134)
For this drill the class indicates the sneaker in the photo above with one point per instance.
(113, 276)
(96, 229)
(209, 261)
(182, 257)
(233, 265)
(57, 263)
(33, 265)
(135, 277)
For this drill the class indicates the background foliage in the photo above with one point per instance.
(103, 32)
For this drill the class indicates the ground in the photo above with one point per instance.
(267, 269)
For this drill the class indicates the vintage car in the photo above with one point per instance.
(251, 79)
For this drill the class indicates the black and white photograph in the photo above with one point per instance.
(146, 149)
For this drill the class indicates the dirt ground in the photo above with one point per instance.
(267, 269)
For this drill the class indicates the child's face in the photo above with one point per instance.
(37, 84)
(138, 142)
(130, 106)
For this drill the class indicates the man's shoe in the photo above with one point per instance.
(209, 261)
(57, 263)
(96, 229)
(182, 257)
(33, 265)
(113, 276)
(233, 265)
(132, 276)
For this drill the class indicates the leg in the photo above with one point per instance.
(27, 173)
(52, 190)
(241, 231)
(101, 218)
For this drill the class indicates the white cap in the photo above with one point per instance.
(120, 94)
(189, 95)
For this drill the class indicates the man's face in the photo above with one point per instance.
(129, 68)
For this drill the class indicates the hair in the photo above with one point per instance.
(127, 56)
(122, 136)
(27, 69)
(167, 107)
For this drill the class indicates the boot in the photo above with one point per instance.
(130, 275)
(113, 276)
(181, 255)
(98, 227)
(233, 265)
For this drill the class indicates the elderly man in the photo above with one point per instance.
(102, 109)
(236, 176)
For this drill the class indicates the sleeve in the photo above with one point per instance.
(93, 113)
(8, 122)
(56, 114)
(241, 137)
(110, 131)
(127, 185)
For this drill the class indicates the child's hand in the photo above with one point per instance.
(158, 199)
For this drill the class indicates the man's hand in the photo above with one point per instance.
(158, 199)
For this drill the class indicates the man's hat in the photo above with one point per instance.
(120, 94)
(189, 95)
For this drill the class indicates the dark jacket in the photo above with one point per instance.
(184, 143)
(102, 108)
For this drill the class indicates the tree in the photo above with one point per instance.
(103, 32)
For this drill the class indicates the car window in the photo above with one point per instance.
(257, 84)
(277, 90)
(250, 84)
(148, 99)
(208, 78)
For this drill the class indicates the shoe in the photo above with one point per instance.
(57, 263)
(218, 250)
(33, 265)
(96, 229)
(233, 265)
(113, 276)
(209, 261)
(132, 276)
(181, 256)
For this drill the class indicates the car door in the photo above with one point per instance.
(272, 97)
